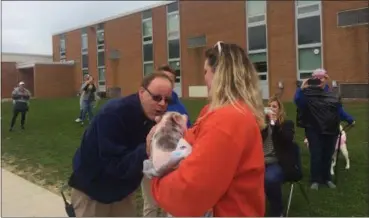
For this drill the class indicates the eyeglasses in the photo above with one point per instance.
(159, 98)
(219, 46)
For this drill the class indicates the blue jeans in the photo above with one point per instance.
(86, 108)
(321, 148)
(273, 188)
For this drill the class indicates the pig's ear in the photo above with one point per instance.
(177, 118)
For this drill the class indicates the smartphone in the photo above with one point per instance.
(314, 82)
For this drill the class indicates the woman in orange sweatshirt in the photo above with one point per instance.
(225, 171)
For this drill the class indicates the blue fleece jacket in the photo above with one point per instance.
(108, 164)
(300, 102)
(177, 106)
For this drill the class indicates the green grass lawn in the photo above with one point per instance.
(43, 154)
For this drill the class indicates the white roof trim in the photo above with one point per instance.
(27, 54)
(116, 16)
(24, 65)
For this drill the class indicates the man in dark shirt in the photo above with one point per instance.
(107, 167)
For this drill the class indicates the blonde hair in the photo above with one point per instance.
(235, 79)
(282, 114)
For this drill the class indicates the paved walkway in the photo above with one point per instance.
(21, 198)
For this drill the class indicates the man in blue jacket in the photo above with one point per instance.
(107, 167)
(321, 145)
(150, 208)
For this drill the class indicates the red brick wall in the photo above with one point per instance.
(224, 20)
(54, 81)
(345, 49)
(9, 78)
(129, 68)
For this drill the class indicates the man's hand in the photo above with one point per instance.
(148, 140)
(304, 84)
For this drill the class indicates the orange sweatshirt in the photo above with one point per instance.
(225, 171)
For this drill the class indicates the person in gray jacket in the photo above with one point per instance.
(81, 96)
(20, 96)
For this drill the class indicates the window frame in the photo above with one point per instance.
(352, 25)
(100, 47)
(84, 50)
(177, 36)
(312, 45)
(147, 42)
(82, 67)
(258, 51)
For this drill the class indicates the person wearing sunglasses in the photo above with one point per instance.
(225, 171)
(150, 208)
(107, 167)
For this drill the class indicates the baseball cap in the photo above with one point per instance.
(21, 83)
(320, 73)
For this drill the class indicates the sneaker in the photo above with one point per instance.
(82, 124)
(331, 184)
(314, 186)
(78, 120)
(22, 127)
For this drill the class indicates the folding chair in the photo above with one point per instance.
(297, 181)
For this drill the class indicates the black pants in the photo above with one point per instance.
(321, 149)
(15, 115)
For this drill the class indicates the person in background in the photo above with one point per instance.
(88, 99)
(279, 154)
(320, 131)
(20, 96)
(107, 167)
(81, 95)
(150, 208)
(225, 171)
(324, 78)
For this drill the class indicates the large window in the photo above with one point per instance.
(173, 49)
(173, 37)
(84, 61)
(308, 30)
(308, 37)
(100, 41)
(257, 36)
(148, 52)
(255, 8)
(84, 42)
(147, 42)
(62, 47)
(148, 68)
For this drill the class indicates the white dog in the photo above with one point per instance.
(343, 149)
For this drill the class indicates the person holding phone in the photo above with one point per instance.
(320, 113)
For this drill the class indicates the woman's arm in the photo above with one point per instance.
(285, 131)
(203, 177)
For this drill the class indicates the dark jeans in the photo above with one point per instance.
(273, 188)
(87, 108)
(321, 149)
(15, 115)
(80, 114)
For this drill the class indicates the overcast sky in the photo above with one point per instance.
(27, 26)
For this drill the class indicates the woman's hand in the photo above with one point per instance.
(148, 140)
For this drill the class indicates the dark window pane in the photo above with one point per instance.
(84, 30)
(353, 17)
(173, 48)
(101, 59)
(173, 7)
(261, 66)
(100, 26)
(146, 14)
(263, 77)
(100, 38)
(85, 61)
(257, 37)
(148, 52)
(308, 30)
